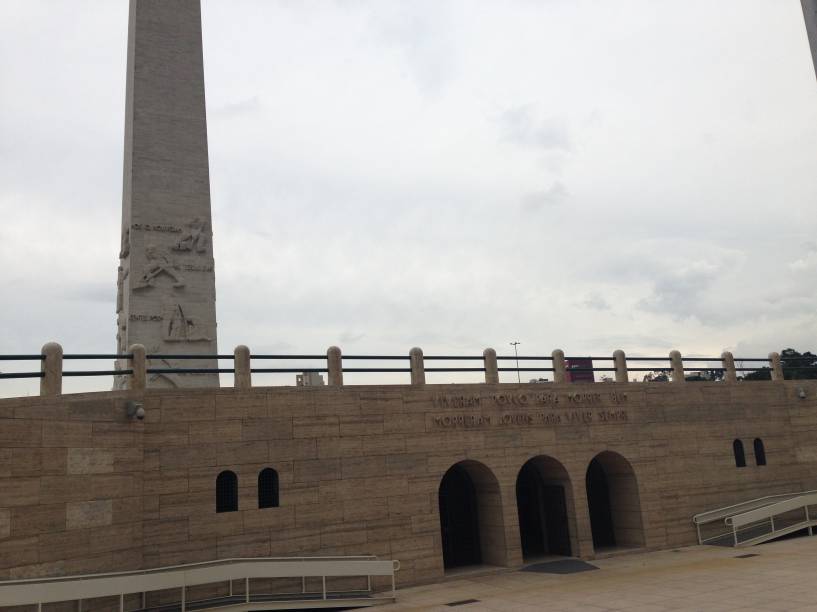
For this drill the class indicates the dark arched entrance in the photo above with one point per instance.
(613, 502)
(598, 502)
(471, 520)
(542, 504)
(459, 519)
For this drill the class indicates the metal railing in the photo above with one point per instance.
(746, 523)
(39, 591)
(137, 365)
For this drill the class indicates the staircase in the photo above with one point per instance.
(229, 572)
(758, 520)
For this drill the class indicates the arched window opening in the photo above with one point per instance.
(268, 488)
(740, 457)
(227, 492)
(760, 452)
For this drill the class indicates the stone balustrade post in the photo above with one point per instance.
(241, 364)
(137, 363)
(559, 368)
(418, 371)
(677, 363)
(729, 372)
(777, 367)
(491, 368)
(620, 363)
(51, 367)
(334, 363)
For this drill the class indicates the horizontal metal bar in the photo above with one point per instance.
(187, 356)
(524, 369)
(701, 359)
(593, 358)
(97, 373)
(570, 369)
(452, 358)
(766, 359)
(521, 358)
(377, 357)
(90, 356)
(377, 369)
(190, 370)
(699, 368)
(648, 358)
(649, 369)
(286, 370)
(253, 356)
(454, 369)
(22, 357)
(21, 375)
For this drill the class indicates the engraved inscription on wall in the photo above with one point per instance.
(519, 409)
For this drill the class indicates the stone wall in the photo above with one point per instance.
(85, 489)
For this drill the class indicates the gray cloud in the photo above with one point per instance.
(552, 196)
(522, 126)
(389, 174)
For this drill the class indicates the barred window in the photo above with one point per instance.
(760, 452)
(227, 492)
(268, 488)
(740, 457)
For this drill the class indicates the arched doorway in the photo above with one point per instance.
(542, 496)
(613, 502)
(471, 523)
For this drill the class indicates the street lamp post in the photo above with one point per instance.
(514, 345)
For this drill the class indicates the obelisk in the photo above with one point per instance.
(166, 297)
(810, 13)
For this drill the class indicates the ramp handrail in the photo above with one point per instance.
(80, 587)
(759, 514)
(710, 516)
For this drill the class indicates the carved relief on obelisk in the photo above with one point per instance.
(166, 281)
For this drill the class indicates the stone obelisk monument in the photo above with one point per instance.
(166, 297)
(810, 13)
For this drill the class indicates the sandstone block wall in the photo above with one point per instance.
(84, 489)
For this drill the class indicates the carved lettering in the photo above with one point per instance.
(138, 317)
(195, 268)
(147, 227)
(531, 419)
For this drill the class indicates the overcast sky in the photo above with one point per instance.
(581, 174)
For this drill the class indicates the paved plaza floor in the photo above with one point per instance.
(782, 576)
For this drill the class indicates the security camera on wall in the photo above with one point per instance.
(135, 410)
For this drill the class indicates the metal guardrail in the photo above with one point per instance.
(39, 591)
(137, 365)
(748, 518)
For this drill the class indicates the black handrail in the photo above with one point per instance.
(322, 357)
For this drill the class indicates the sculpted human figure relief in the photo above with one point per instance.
(125, 250)
(158, 263)
(195, 239)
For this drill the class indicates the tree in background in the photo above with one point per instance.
(796, 366)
